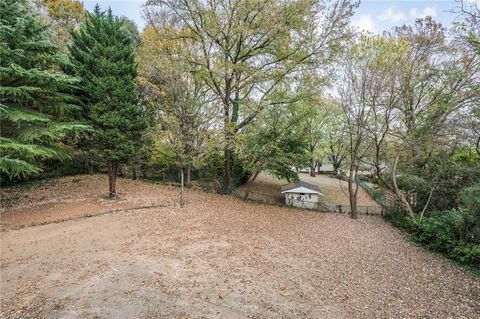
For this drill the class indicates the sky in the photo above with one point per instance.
(373, 15)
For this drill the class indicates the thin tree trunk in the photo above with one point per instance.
(228, 131)
(189, 176)
(90, 166)
(88, 163)
(249, 184)
(477, 146)
(120, 170)
(377, 171)
(228, 169)
(312, 166)
(134, 172)
(85, 160)
(352, 192)
(182, 200)
(397, 191)
(336, 166)
(428, 202)
(112, 178)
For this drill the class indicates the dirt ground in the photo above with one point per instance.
(74, 196)
(335, 191)
(219, 257)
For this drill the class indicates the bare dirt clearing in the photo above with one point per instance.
(75, 196)
(222, 258)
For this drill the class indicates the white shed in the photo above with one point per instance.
(301, 194)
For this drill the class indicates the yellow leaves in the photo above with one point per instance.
(150, 88)
(151, 39)
(65, 10)
(155, 41)
(156, 51)
(64, 14)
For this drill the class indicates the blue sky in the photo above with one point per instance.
(372, 15)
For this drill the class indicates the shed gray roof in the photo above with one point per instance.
(300, 184)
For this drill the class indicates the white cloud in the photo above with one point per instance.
(427, 11)
(365, 23)
(392, 15)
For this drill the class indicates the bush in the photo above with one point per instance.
(470, 198)
(399, 219)
(467, 255)
(439, 232)
(454, 233)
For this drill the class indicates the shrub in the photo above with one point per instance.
(470, 198)
(467, 255)
(455, 233)
(439, 232)
(399, 219)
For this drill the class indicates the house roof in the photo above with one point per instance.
(301, 187)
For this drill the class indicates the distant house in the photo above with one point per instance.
(301, 194)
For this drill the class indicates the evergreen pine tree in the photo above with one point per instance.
(102, 56)
(34, 105)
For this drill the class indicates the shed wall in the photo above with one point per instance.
(302, 200)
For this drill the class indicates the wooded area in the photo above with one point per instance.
(238, 159)
(221, 91)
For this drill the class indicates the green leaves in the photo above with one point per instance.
(23, 115)
(17, 168)
(102, 57)
(28, 151)
(52, 132)
(36, 102)
(278, 142)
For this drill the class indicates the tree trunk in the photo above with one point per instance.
(312, 166)
(134, 172)
(377, 169)
(249, 184)
(227, 151)
(189, 176)
(120, 170)
(228, 131)
(90, 165)
(428, 202)
(228, 170)
(336, 163)
(353, 191)
(397, 191)
(182, 200)
(477, 146)
(112, 178)
(85, 160)
(336, 168)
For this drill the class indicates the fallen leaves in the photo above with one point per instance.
(220, 257)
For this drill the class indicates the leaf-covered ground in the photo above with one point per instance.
(219, 257)
(74, 196)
